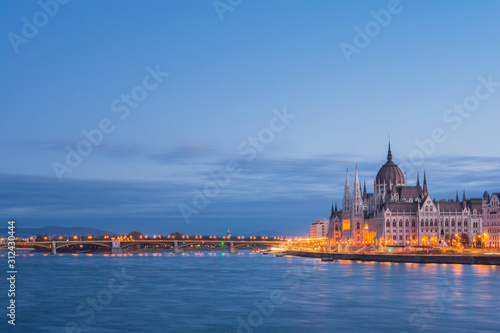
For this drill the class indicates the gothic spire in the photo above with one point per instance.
(365, 195)
(457, 200)
(418, 179)
(346, 202)
(425, 184)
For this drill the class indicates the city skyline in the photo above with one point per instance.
(215, 89)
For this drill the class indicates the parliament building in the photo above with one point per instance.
(399, 214)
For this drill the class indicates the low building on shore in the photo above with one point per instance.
(319, 229)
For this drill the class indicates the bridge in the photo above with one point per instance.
(118, 246)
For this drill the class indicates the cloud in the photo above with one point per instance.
(183, 152)
(283, 191)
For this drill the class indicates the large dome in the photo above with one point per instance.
(390, 173)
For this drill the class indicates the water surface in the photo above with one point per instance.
(220, 292)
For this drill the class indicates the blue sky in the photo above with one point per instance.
(226, 81)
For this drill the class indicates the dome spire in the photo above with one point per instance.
(389, 154)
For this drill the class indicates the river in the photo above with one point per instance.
(247, 292)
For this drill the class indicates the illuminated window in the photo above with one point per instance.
(346, 224)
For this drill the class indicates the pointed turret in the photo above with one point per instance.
(365, 195)
(346, 202)
(331, 215)
(464, 201)
(418, 179)
(336, 207)
(425, 185)
(456, 199)
(357, 202)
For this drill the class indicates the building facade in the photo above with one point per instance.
(399, 214)
(491, 219)
(319, 229)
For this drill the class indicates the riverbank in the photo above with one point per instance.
(402, 258)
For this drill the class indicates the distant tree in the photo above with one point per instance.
(478, 240)
(135, 234)
(41, 237)
(177, 235)
(464, 239)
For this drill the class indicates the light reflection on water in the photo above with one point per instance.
(218, 292)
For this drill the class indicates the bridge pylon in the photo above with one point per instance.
(53, 247)
(176, 247)
(116, 247)
(232, 248)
